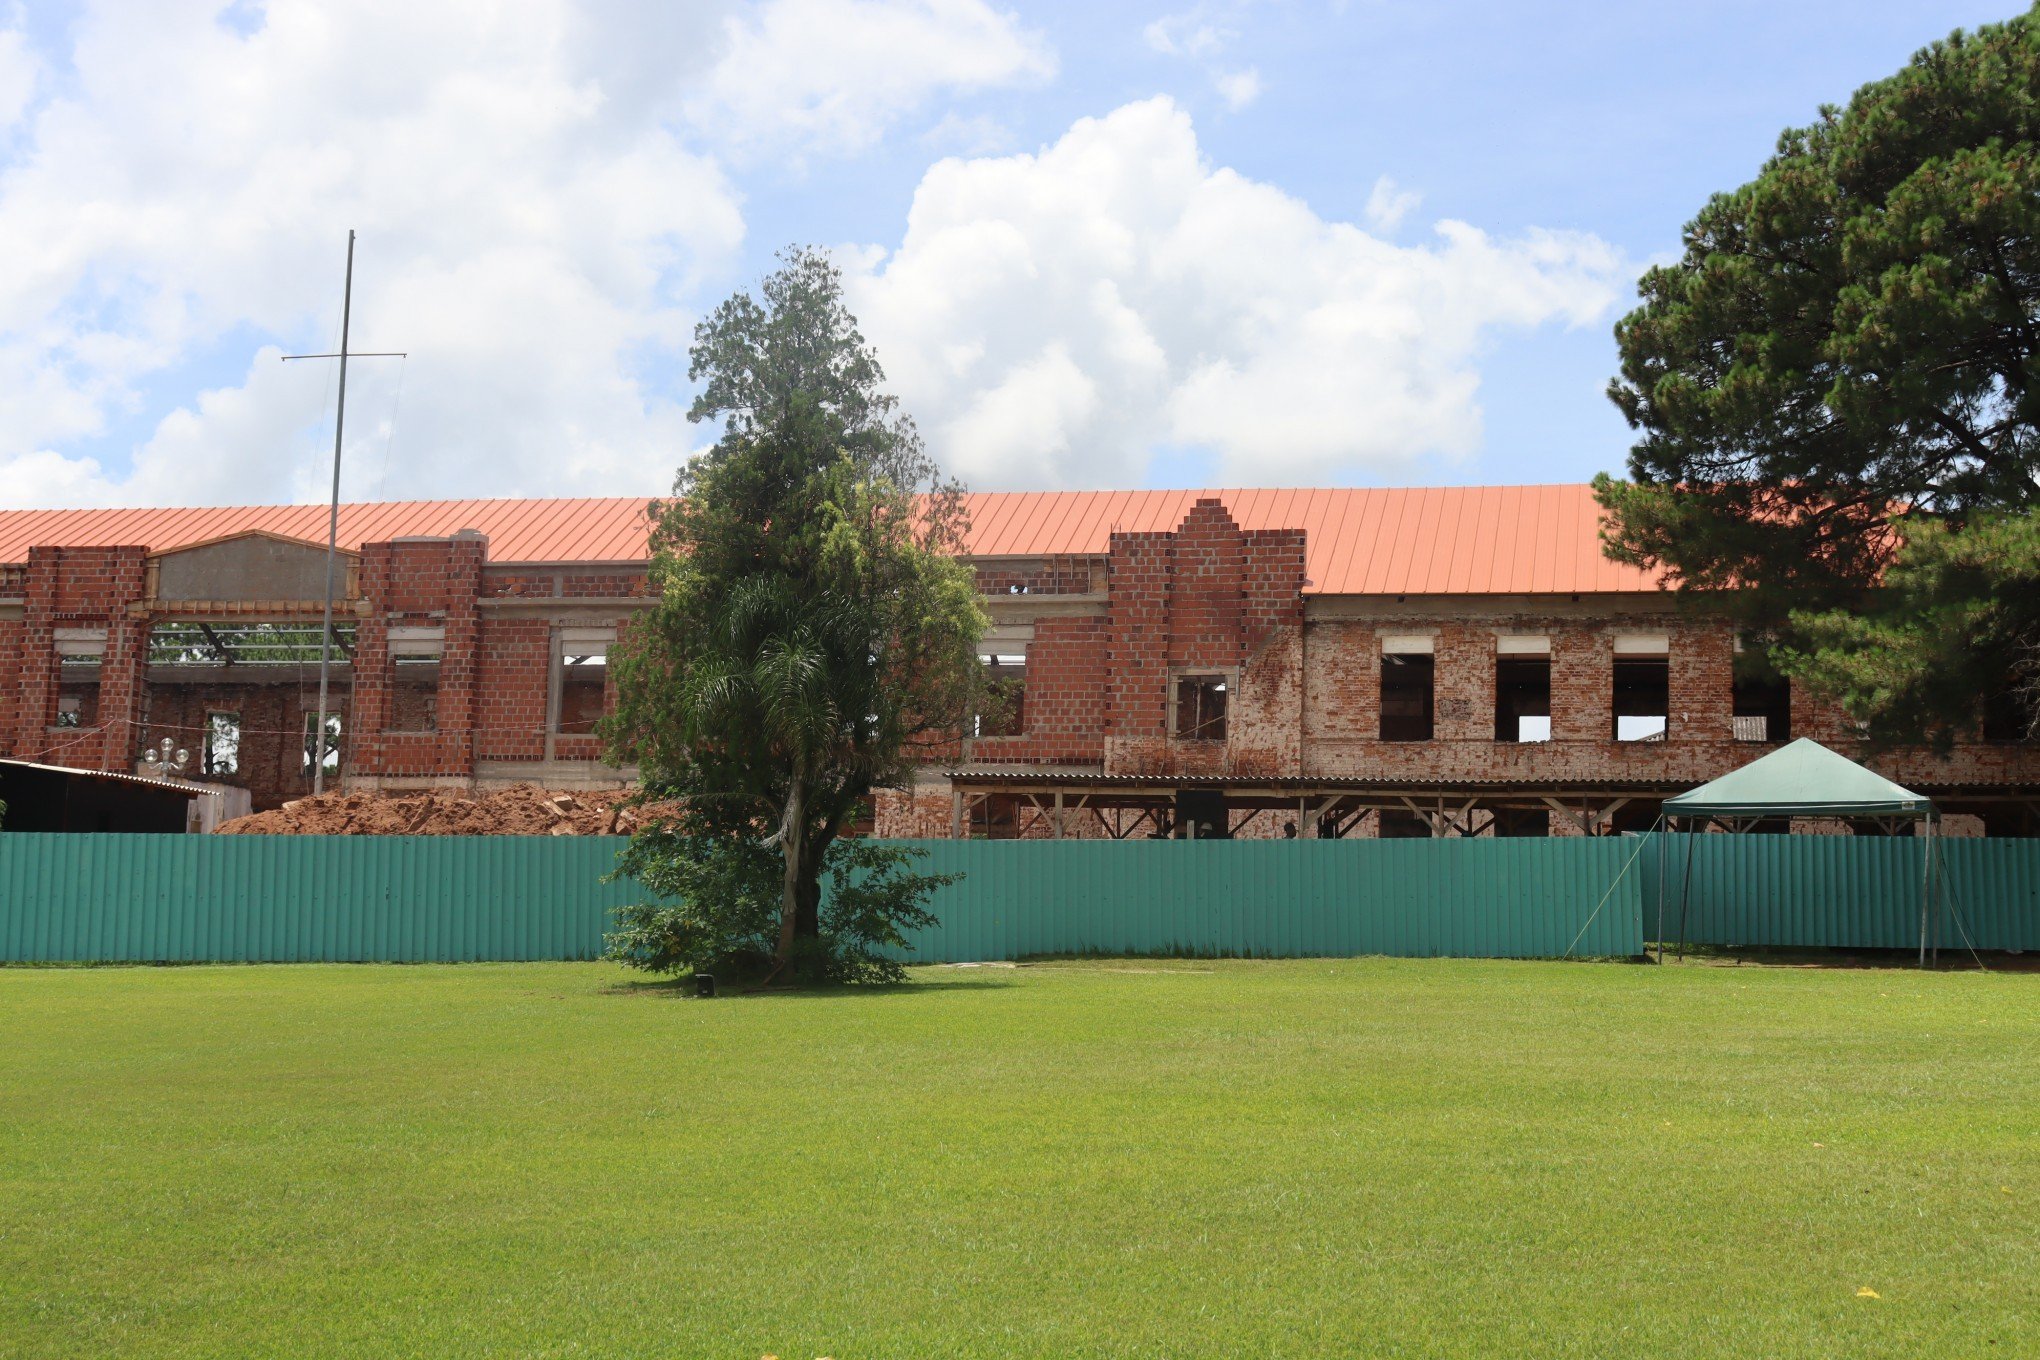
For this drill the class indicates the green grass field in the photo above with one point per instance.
(1406, 1158)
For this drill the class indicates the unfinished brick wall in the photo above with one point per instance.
(1582, 682)
(271, 760)
(514, 669)
(1065, 708)
(1058, 575)
(80, 588)
(1702, 670)
(1342, 702)
(12, 632)
(564, 584)
(1207, 597)
(417, 583)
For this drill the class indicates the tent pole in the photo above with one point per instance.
(1932, 863)
(1685, 889)
(1663, 822)
(1926, 886)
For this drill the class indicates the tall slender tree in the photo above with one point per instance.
(816, 629)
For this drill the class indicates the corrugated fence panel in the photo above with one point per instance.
(1488, 898)
(1844, 892)
(432, 898)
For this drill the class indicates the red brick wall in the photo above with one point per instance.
(272, 765)
(11, 635)
(1047, 576)
(417, 584)
(1065, 705)
(514, 667)
(81, 588)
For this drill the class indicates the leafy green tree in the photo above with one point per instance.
(1845, 354)
(816, 634)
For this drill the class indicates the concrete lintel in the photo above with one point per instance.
(1011, 609)
(619, 606)
(1470, 608)
(555, 774)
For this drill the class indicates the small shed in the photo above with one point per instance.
(1803, 779)
(56, 798)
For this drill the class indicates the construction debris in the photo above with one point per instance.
(521, 810)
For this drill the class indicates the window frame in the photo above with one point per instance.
(1211, 680)
(576, 641)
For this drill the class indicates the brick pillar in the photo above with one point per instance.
(1463, 674)
(11, 678)
(1582, 685)
(83, 588)
(459, 705)
(123, 691)
(1137, 682)
(1702, 669)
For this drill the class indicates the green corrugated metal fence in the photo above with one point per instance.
(1845, 892)
(426, 898)
(304, 898)
(1467, 898)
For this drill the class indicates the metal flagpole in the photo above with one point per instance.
(333, 527)
(333, 514)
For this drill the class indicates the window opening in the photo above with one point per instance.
(415, 656)
(222, 751)
(245, 644)
(1006, 714)
(584, 685)
(1406, 696)
(335, 733)
(79, 653)
(1200, 707)
(1761, 703)
(2008, 715)
(1522, 821)
(1523, 698)
(1643, 697)
(1400, 824)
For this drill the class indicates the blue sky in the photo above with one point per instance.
(1284, 242)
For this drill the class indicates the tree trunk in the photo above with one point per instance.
(807, 926)
(793, 855)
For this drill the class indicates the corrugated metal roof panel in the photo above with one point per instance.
(1536, 540)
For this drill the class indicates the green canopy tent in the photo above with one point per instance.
(1803, 779)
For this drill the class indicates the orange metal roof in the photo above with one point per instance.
(1508, 540)
(1447, 540)
(588, 529)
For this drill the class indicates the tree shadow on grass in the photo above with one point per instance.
(682, 989)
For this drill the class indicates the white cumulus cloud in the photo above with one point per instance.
(1388, 204)
(1238, 88)
(834, 74)
(543, 200)
(190, 187)
(1053, 319)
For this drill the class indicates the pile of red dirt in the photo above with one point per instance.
(522, 810)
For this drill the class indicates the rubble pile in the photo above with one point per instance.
(522, 810)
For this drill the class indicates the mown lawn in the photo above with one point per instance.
(1407, 1158)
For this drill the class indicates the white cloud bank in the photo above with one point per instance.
(834, 74)
(1053, 319)
(541, 196)
(545, 206)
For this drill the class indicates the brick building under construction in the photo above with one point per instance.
(1454, 661)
